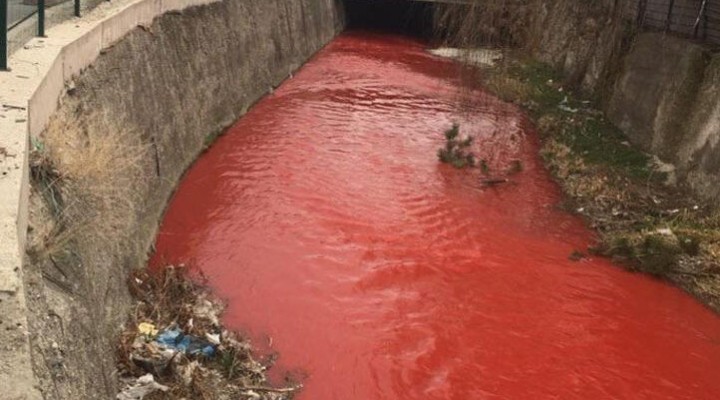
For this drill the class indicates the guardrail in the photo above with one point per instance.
(3, 34)
(696, 19)
(15, 12)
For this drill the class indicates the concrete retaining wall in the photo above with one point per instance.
(666, 99)
(700, 149)
(661, 90)
(163, 75)
(584, 39)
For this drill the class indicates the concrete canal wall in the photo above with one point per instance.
(137, 88)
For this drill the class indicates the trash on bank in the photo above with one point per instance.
(142, 387)
(564, 106)
(147, 329)
(175, 343)
(480, 57)
(175, 339)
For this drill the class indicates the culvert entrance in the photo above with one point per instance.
(396, 16)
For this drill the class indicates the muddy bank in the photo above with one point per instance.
(112, 154)
(643, 222)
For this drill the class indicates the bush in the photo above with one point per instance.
(456, 151)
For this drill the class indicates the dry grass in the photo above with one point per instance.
(87, 184)
(85, 196)
(99, 175)
(500, 23)
(509, 88)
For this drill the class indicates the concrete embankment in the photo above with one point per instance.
(667, 100)
(661, 90)
(105, 115)
(658, 91)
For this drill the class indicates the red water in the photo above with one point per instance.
(325, 219)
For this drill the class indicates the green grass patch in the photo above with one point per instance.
(574, 120)
(599, 142)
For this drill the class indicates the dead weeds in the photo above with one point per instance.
(167, 301)
(87, 186)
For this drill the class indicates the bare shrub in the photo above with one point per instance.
(455, 152)
(90, 192)
(496, 23)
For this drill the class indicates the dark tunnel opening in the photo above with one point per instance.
(396, 16)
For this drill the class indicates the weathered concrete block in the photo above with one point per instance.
(146, 11)
(655, 92)
(115, 28)
(169, 86)
(80, 53)
(44, 101)
(171, 5)
(700, 150)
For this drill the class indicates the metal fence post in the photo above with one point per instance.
(668, 21)
(640, 18)
(705, 25)
(3, 35)
(41, 18)
(77, 8)
(702, 17)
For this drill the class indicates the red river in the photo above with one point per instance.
(340, 242)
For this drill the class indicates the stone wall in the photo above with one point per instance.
(158, 96)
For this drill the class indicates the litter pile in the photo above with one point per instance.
(175, 348)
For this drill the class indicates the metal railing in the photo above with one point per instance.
(3, 34)
(696, 19)
(15, 12)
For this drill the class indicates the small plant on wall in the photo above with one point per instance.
(456, 151)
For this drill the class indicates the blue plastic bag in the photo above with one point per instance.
(177, 340)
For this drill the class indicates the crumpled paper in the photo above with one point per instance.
(142, 387)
